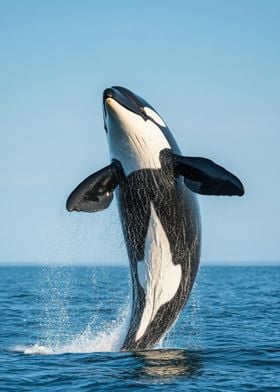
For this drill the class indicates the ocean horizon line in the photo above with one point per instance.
(126, 265)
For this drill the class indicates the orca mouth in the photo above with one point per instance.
(127, 99)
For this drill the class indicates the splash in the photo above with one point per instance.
(70, 309)
(109, 340)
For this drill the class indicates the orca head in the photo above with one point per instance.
(136, 133)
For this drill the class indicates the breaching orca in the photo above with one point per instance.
(156, 192)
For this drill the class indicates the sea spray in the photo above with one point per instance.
(72, 310)
(69, 304)
(109, 339)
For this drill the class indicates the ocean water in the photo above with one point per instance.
(61, 328)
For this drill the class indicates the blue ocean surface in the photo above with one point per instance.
(61, 328)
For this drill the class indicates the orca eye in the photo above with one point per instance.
(144, 114)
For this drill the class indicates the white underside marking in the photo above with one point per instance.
(157, 274)
(134, 142)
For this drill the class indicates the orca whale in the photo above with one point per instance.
(156, 191)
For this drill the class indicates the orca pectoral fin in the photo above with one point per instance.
(95, 193)
(205, 177)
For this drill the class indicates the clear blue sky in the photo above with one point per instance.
(211, 69)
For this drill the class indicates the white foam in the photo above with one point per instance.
(109, 340)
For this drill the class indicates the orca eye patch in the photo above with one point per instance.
(154, 116)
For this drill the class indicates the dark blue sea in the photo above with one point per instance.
(61, 327)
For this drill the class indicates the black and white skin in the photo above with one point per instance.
(156, 189)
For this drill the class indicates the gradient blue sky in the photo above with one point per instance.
(210, 68)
